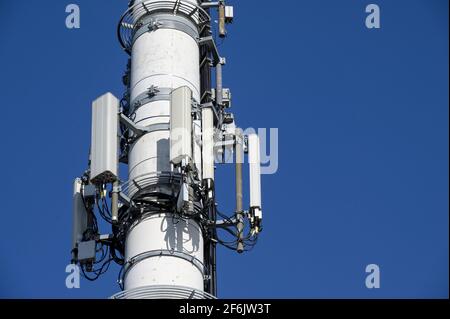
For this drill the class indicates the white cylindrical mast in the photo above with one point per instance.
(162, 60)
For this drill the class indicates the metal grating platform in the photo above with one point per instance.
(130, 20)
(163, 292)
(152, 182)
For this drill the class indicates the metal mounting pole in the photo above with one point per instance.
(222, 23)
(115, 202)
(239, 147)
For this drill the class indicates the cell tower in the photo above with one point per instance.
(169, 129)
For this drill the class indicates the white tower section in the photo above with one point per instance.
(162, 59)
(167, 128)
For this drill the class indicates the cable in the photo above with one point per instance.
(90, 211)
(102, 211)
(97, 272)
(103, 256)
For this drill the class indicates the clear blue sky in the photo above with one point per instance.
(363, 126)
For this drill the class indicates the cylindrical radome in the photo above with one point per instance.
(162, 59)
(255, 170)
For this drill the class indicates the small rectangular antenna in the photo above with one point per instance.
(181, 125)
(104, 147)
(208, 143)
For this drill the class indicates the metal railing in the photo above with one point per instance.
(152, 182)
(130, 20)
(162, 292)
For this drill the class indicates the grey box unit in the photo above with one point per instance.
(226, 96)
(104, 147)
(89, 191)
(229, 14)
(86, 251)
